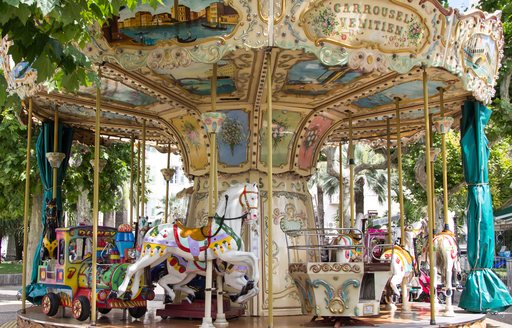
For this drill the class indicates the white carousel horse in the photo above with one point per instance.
(181, 272)
(347, 253)
(402, 260)
(218, 240)
(446, 261)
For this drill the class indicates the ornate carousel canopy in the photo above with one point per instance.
(327, 59)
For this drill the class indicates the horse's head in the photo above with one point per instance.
(240, 202)
(249, 199)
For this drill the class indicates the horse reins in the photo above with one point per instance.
(223, 218)
(241, 217)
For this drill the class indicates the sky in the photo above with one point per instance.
(462, 5)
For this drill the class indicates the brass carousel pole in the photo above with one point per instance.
(207, 319)
(341, 214)
(429, 197)
(351, 166)
(220, 321)
(400, 175)
(167, 180)
(138, 179)
(132, 146)
(55, 149)
(143, 170)
(406, 306)
(95, 202)
(432, 177)
(26, 210)
(390, 221)
(270, 195)
(214, 108)
(443, 155)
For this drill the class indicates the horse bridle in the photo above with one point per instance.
(247, 206)
(241, 217)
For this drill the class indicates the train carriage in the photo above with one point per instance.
(68, 276)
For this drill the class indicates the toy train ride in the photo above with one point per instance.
(67, 277)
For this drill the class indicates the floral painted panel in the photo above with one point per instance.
(232, 140)
(312, 137)
(284, 127)
(191, 21)
(192, 133)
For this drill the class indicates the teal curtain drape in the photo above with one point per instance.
(484, 291)
(44, 145)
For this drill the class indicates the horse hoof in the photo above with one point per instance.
(167, 299)
(391, 307)
(190, 298)
(449, 312)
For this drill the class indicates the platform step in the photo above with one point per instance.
(195, 310)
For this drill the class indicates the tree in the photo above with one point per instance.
(13, 143)
(114, 176)
(48, 34)
(370, 169)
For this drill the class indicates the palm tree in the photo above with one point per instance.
(370, 169)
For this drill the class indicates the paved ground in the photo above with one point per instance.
(9, 305)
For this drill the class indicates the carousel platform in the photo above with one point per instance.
(419, 317)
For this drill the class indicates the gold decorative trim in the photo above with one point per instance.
(366, 44)
(277, 19)
(297, 267)
(336, 267)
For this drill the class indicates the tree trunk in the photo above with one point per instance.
(35, 230)
(359, 196)
(505, 86)
(10, 255)
(320, 205)
(18, 238)
(84, 210)
(109, 219)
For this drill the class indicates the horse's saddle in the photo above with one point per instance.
(446, 232)
(197, 234)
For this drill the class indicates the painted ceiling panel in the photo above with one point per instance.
(408, 90)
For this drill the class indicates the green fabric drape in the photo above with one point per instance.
(484, 291)
(44, 145)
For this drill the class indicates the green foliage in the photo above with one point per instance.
(10, 268)
(47, 33)
(500, 165)
(114, 175)
(13, 143)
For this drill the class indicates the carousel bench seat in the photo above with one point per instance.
(377, 267)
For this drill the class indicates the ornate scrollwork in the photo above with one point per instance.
(297, 267)
(336, 267)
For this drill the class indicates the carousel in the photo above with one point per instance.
(248, 92)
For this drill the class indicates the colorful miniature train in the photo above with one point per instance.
(67, 277)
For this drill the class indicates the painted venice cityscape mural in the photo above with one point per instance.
(182, 22)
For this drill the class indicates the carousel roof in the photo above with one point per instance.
(329, 59)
